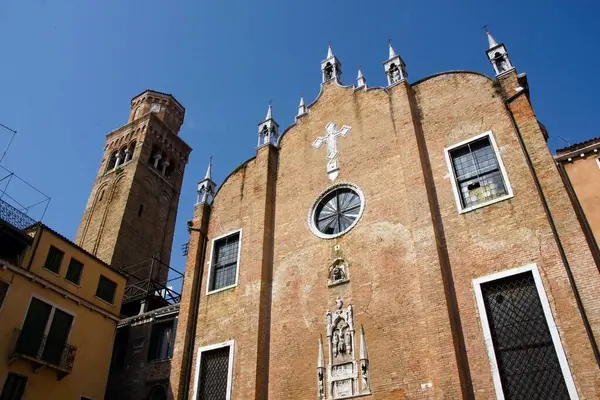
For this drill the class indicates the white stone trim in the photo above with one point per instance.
(6, 294)
(455, 189)
(237, 266)
(313, 208)
(598, 161)
(562, 359)
(231, 345)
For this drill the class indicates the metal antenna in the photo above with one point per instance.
(564, 140)
(14, 133)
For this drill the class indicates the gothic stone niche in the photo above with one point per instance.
(338, 272)
(343, 368)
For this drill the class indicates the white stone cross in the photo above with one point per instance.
(331, 135)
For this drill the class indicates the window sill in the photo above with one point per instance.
(52, 272)
(487, 203)
(73, 283)
(104, 301)
(160, 360)
(221, 289)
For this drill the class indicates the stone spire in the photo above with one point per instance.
(268, 129)
(331, 67)
(392, 52)
(360, 80)
(206, 187)
(394, 67)
(491, 40)
(498, 56)
(301, 107)
(363, 345)
(321, 357)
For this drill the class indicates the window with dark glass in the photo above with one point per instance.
(224, 261)
(214, 365)
(54, 259)
(337, 211)
(162, 340)
(14, 387)
(527, 362)
(44, 333)
(106, 289)
(477, 173)
(74, 271)
(3, 290)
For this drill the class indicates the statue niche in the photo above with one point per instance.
(338, 272)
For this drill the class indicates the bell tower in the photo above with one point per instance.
(130, 214)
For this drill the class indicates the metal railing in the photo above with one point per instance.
(13, 216)
(153, 278)
(45, 351)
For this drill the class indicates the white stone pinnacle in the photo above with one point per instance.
(269, 113)
(491, 40)
(392, 52)
(329, 52)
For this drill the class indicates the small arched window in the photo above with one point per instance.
(328, 71)
(131, 149)
(394, 74)
(112, 161)
(157, 392)
(169, 170)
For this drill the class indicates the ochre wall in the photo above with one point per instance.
(584, 175)
(91, 333)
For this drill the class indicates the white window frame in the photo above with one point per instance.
(598, 161)
(457, 196)
(487, 335)
(237, 265)
(231, 345)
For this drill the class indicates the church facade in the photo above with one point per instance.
(413, 241)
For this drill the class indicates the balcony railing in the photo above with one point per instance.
(45, 351)
(13, 216)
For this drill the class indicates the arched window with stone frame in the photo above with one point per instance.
(131, 149)
(155, 157)
(170, 168)
(112, 161)
(501, 63)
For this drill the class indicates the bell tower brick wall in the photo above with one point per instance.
(131, 212)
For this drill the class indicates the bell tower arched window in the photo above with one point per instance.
(112, 162)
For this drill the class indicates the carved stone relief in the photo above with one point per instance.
(346, 376)
(338, 272)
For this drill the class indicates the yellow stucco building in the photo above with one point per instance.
(59, 308)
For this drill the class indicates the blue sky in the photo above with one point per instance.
(69, 69)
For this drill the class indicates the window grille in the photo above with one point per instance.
(477, 172)
(527, 360)
(225, 259)
(74, 271)
(54, 259)
(214, 368)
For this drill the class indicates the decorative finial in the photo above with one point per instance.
(269, 112)
(208, 175)
(491, 41)
(392, 53)
(301, 107)
(329, 51)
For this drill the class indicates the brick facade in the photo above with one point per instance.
(412, 257)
